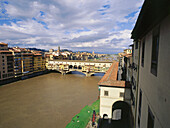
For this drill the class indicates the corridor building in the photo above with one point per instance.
(151, 61)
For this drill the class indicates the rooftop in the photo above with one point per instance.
(2, 43)
(110, 77)
(151, 14)
(4, 51)
(37, 54)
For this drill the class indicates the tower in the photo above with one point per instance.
(59, 48)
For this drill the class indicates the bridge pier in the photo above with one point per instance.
(63, 72)
(88, 74)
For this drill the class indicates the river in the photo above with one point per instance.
(46, 101)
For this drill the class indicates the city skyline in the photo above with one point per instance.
(100, 26)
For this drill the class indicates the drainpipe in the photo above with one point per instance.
(137, 85)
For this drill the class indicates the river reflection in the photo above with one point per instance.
(47, 101)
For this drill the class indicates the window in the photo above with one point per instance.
(155, 49)
(132, 51)
(4, 75)
(150, 119)
(138, 122)
(136, 45)
(140, 102)
(133, 99)
(106, 93)
(143, 53)
(121, 94)
(139, 108)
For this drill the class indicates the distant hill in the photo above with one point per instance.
(36, 49)
(65, 50)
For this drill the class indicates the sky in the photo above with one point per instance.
(103, 26)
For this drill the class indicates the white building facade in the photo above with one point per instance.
(152, 59)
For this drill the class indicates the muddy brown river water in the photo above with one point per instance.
(46, 101)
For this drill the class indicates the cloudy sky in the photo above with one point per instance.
(80, 25)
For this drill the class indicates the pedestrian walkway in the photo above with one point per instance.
(81, 119)
(89, 125)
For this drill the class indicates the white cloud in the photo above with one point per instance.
(80, 25)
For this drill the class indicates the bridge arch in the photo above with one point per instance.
(97, 74)
(76, 72)
(70, 66)
(75, 67)
(79, 67)
(105, 116)
(123, 108)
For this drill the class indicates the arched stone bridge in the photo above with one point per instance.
(86, 67)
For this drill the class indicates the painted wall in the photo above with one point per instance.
(106, 102)
(156, 89)
(134, 74)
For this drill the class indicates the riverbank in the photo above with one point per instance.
(7, 81)
(81, 119)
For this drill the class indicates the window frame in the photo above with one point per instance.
(139, 107)
(106, 93)
(143, 53)
(121, 94)
(136, 44)
(155, 50)
(150, 114)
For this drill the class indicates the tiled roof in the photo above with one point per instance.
(37, 54)
(110, 77)
(4, 51)
(2, 43)
(26, 53)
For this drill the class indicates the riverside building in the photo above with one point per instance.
(6, 62)
(26, 60)
(17, 62)
(38, 62)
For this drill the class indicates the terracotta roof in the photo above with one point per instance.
(16, 51)
(2, 43)
(26, 53)
(110, 77)
(37, 54)
(4, 51)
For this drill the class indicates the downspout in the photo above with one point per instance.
(137, 85)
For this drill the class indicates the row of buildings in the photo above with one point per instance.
(143, 74)
(69, 55)
(17, 62)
